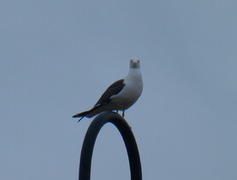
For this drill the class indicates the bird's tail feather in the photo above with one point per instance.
(81, 115)
(85, 113)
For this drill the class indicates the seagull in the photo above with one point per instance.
(120, 95)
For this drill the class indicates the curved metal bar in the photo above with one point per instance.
(128, 137)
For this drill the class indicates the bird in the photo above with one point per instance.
(120, 95)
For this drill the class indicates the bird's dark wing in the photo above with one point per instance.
(113, 89)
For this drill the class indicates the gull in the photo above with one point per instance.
(120, 95)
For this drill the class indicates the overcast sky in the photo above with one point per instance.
(57, 57)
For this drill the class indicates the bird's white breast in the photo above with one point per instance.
(131, 91)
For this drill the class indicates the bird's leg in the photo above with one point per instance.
(123, 113)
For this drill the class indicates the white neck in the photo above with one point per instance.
(134, 74)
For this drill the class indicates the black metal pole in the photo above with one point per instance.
(128, 137)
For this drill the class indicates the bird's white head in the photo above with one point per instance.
(134, 64)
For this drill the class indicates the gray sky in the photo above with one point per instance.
(57, 57)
